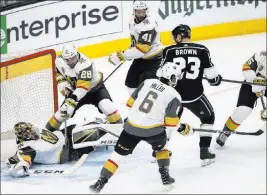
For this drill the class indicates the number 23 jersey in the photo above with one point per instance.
(194, 60)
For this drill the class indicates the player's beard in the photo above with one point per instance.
(139, 19)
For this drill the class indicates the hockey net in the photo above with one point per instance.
(28, 89)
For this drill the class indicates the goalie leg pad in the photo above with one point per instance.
(108, 108)
(240, 114)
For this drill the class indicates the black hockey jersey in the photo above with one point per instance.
(194, 60)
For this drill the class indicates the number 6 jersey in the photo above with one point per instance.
(195, 62)
(154, 106)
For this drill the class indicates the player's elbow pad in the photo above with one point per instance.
(133, 53)
(215, 81)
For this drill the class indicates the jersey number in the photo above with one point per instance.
(86, 74)
(193, 63)
(148, 102)
(147, 37)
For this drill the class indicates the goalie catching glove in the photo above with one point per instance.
(17, 166)
(185, 129)
(117, 58)
(257, 89)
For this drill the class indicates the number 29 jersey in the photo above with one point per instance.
(154, 105)
(194, 60)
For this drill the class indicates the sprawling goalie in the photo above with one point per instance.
(36, 145)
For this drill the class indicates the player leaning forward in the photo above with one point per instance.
(146, 48)
(80, 82)
(155, 108)
(254, 71)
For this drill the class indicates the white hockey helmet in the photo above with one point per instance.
(70, 54)
(140, 5)
(171, 72)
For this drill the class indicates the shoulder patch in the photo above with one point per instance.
(146, 21)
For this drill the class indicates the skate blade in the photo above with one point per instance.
(153, 161)
(207, 162)
(168, 187)
(92, 191)
(218, 147)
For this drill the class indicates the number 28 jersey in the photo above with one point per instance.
(194, 60)
(154, 105)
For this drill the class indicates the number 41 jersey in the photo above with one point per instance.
(194, 60)
(154, 105)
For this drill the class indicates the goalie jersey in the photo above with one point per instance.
(154, 106)
(255, 66)
(145, 37)
(46, 150)
(83, 78)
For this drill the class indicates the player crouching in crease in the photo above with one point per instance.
(40, 146)
(155, 107)
(254, 70)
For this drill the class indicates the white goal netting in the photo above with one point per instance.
(28, 89)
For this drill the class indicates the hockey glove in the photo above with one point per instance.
(264, 115)
(65, 89)
(257, 89)
(185, 129)
(68, 107)
(116, 58)
(17, 166)
(215, 81)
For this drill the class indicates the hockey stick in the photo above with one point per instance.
(68, 171)
(112, 73)
(256, 133)
(107, 131)
(239, 82)
(262, 102)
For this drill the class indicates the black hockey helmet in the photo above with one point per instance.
(26, 131)
(183, 30)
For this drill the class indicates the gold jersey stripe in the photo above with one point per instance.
(145, 127)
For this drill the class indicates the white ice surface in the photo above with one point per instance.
(240, 167)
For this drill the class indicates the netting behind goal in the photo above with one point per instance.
(28, 89)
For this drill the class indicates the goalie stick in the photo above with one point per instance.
(256, 133)
(59, 172)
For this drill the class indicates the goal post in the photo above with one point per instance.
(28, 89)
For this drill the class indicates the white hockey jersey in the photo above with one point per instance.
(255, 66)
(83, 77)
(145, 37)
(154, 106)
(46, 150)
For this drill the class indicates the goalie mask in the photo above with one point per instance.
(140, 10)
(26, 131)
(70, 54)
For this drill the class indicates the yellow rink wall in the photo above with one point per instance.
(198, 33)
